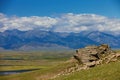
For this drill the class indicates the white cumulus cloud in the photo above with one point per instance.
(65, 23)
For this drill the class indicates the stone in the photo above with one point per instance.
(95, 55)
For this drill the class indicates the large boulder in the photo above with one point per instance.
(93, 55)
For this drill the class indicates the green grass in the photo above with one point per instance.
(103, 72)
(109, 71)
(46, 61)
(50, 64)
(33, 58)
(42, 74)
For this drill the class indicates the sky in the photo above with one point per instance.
(60, 15)
(109, 8)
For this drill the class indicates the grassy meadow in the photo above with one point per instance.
(50, 63)
(41, 60)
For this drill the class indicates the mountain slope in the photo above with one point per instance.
(37, 39)
(101, 38)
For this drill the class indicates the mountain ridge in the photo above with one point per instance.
(15, 39)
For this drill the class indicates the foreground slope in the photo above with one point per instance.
(103, 72)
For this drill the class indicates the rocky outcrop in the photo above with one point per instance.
(90, 56)
(94, 55)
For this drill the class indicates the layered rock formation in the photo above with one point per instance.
(94, 55)
(90, 56)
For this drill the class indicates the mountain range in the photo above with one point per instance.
(38, 39)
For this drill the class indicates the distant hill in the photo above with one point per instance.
(38, 39)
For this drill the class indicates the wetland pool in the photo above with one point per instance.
(3, 73)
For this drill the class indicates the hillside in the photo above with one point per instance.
(103, 72)
(94, 66)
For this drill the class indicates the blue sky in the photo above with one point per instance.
(60, 15)
(109, 8)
